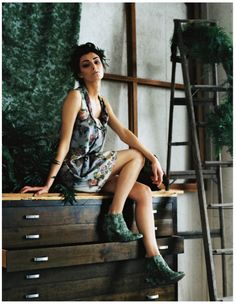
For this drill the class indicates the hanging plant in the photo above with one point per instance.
(210, 44)
(220, 126)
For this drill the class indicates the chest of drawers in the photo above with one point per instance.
(56, 252)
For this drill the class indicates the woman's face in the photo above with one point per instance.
(91, 67)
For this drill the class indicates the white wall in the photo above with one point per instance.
(105, 25)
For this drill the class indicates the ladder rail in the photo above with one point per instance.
(220, 196)
(171, 110)
(197, 164)
(199, 172)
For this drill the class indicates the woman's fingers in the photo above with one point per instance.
(38, 189)
(42, 191)
(27, 189)
(159, 178)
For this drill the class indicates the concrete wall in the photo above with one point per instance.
(223, 13)
(105, 25)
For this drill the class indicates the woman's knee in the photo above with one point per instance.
(141, 193)
(138, 156)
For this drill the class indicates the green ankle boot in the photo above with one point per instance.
(115, 229)
(159, 273)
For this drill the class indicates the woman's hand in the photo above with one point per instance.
(158, 173)
(38, 189)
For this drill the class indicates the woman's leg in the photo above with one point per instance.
(158, 272)
(143, 212)
(128, 165)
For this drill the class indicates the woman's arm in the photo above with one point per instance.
(70, 109)
(130, 139)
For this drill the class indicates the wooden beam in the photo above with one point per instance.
(141, 81)
(79, 196)
(132, 66)
(131, 39)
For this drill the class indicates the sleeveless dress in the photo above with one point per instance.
(86, 167)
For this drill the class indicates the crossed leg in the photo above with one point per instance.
(128, 165)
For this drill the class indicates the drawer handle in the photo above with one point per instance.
(31, 216)
(154, 211)
(32, 236)
(32, 276)
(41, 259)
(164, 247)
(32, 296)
(152, 297)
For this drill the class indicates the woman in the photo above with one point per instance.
(84, 166)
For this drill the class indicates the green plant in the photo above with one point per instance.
(26, 159)
(220, 126)
(36, 46)
(210, 44)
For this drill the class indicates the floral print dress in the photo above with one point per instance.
(86, 167)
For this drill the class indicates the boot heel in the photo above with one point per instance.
(159, 273)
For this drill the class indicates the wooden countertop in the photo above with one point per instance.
(57, 196)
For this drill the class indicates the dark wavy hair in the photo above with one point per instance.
(80, 50)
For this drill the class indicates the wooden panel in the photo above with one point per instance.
(79, 196)
(141, 81)
(166, 293)
(28, 237)
(163, 209)
(18, 260)
(4, 258)
(82, 289)
(90, 211)
(81, 272)
(61, 215)
(164, 227)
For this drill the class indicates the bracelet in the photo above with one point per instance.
(53, 177)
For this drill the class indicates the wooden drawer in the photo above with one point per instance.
(87, 282)
(166, 293)
(49, 215)
(128, 288)
(44, 213)
(33, 237)
(52, 257)
(72, 273)
(163, 208)
(38, 236)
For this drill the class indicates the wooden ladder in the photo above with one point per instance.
(202, 170)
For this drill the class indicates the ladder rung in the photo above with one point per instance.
(203, 101)
(218, 163)
(198, 234)
(181, 101)
(201, 124)
(191, 174)
(213, 88)
(222, 251)
(179, 143)
(175, 58)
(219, 205)
(225, 299)
(211, 21)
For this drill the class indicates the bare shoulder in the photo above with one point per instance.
(73, 100)
(106, 102)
